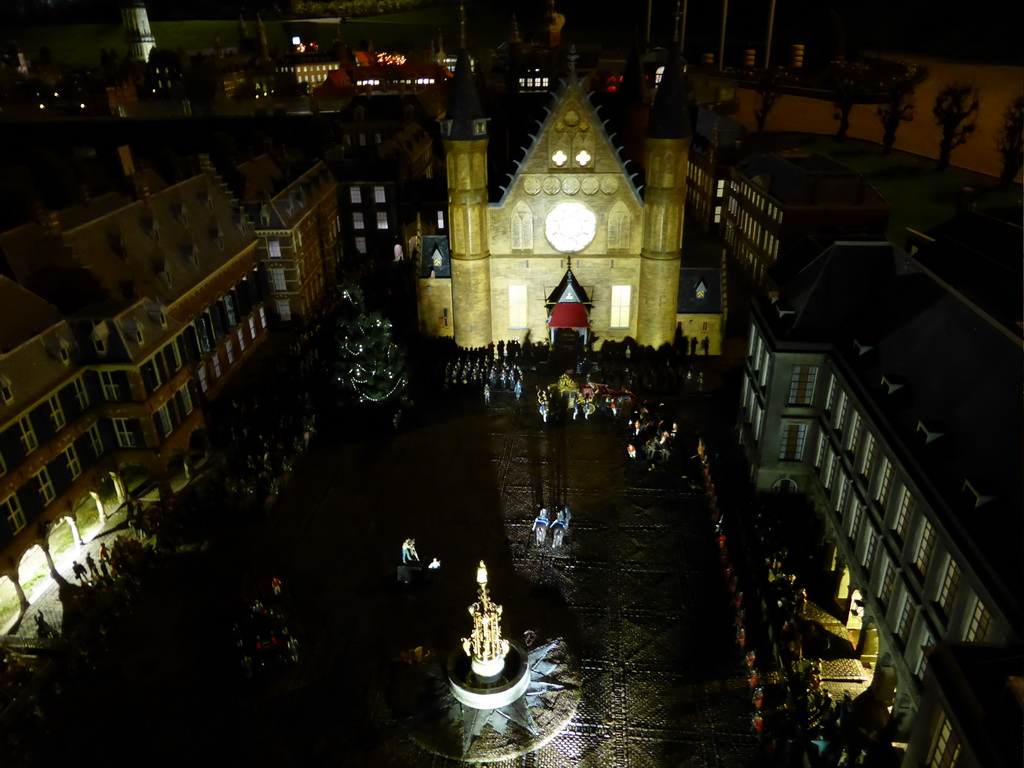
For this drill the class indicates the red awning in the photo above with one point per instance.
(569, 315)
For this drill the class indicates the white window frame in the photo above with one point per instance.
(274, 248)
(111, 390)
(15, 514)
(96, 440)
(186, 400)
(123, 432)
(795, 433)
(28, 435)
(56, 412)
(382, 219)
(201, 375)
(74, 464)
(379, 194)
(358, 222)
(215, 360)
(46, 491)
(81, 393)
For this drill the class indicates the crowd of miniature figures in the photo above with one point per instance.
(792, 712)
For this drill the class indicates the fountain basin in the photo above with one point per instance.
(492, 692)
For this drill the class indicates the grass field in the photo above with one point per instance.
(919, 196)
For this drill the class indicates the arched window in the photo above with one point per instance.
(618, 227)
(522, 228)
(785, 485)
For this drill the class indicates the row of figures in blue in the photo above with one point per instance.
(542, 525)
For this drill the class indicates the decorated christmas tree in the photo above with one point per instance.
(371, 368)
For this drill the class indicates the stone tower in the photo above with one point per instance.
(464, 133)
(138, 34)
(668, 145)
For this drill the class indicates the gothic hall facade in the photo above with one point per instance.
(570, 207)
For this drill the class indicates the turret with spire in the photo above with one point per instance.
(464, 134)
(668, 144)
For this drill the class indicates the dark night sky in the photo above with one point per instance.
(981, 30)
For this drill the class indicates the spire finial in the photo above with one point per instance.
(568, 262)
(462, 25)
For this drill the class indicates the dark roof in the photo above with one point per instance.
(807, 179)
(983, 258)
(465, 108)
(567, 286)
(670, 112)
(24, 314)
(962, 373)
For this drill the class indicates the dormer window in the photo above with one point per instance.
(99, 334)
(178, 211)
(862, 349)
(149, 226)
(217, 237)
(930, 433)
(980, 499)
(190, 253)
(265, 216)
(203, 196)
(6, 392)
(891, 386)
(116, 243)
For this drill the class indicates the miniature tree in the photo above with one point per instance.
(846, 79)
(1010, 141)
(371, 368)
(898, 106)
(956, 113)
(768, 92)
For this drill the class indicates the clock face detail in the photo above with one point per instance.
(570, 227)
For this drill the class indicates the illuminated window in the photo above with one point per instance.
(981, 621)
(801, 384)
(792, 448)
(241, 340)
(378, 195)
(361, 245)
(583, 157)
(950, 586)
(559, 158)
(517, 315)
(924, 548)
(620, 306)
(440, 219)
(869, 456)
(357, 220)
(382, 220)
(947, 746)
(274, 248)
(885, 484)
(906, 620)
(201, 376)
(229, 351)
(15, 515)
(903, 514)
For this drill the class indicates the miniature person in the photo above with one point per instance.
(540, 525)
(564, 515)
(434, 564)
(487, 394)
(79, 570)
(409, 554)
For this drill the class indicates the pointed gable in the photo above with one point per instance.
(568, 291)
(571, 140)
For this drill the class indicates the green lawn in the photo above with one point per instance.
(919, 196)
